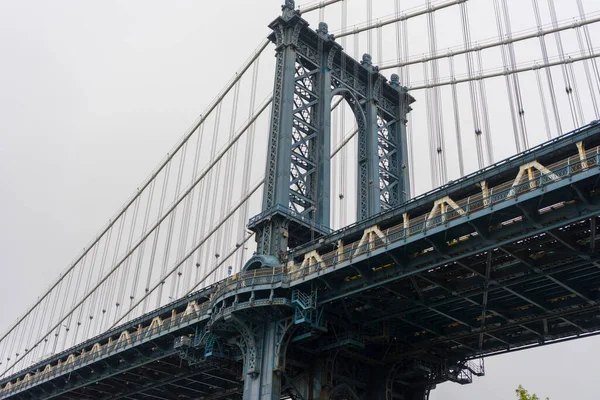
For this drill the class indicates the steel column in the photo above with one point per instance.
(368, 158)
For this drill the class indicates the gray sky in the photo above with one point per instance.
(93, 94)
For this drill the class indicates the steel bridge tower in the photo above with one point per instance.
(311, 70)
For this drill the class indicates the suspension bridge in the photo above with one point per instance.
(362, 281)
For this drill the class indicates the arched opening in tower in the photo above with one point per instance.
(344, 150)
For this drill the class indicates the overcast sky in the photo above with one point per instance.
(92, 96)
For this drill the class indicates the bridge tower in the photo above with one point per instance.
(311, 70)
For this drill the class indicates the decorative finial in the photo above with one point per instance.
(288, 9)
(367, 60)
(323, 31)
(289, 4)
(395, 81)
(323, 28)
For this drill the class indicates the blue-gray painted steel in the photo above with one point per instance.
(363, 326)
(312, 69)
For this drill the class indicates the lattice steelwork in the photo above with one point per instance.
(388, 163)
(393, 155)
(311, 70)
(304, 141)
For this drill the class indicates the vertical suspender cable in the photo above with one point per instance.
(31, 328)
(461, 164)
(12, 346)
(370, 31)
(248, 158)
(409, 125)
(183, 234)
(401, 41)
(183, 240)
(195, 170)
(472, 91)
(109, 287)
(140, 257)
(187, 219)
(485, 114)
(380, 45)
(22, 344)
(217, 176)
(576, 95)
(321, 14)
(163, 195)
(125, 268)
(213, 175)
(53, 309)
(207, 218)
(549, 77)
(590, 50)
(437, 96)
(542, 100)
(171, 229)
(165, 256)
(96, 303)
(561, 55)
(588, 74)
(229, 173)
(84, 261)
(3, 365)
(434, 169)
(66, 295)
(344, 153)
(434, 107)
(515, 78)
(81, 317)
(188, 206)
(430, 106)
(398, 27)
(509, 88)
(199, 207)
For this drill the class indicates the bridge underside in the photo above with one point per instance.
(528, 281)
(523, 276)
(151, 371)
(387, 317)
(165, 379)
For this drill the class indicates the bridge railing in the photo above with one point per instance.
(266, 276)
(531, 178)
(97, 352)
(156, 328)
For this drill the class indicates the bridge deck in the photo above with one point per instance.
(459, 272)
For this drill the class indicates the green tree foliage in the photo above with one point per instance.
(522, 394)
